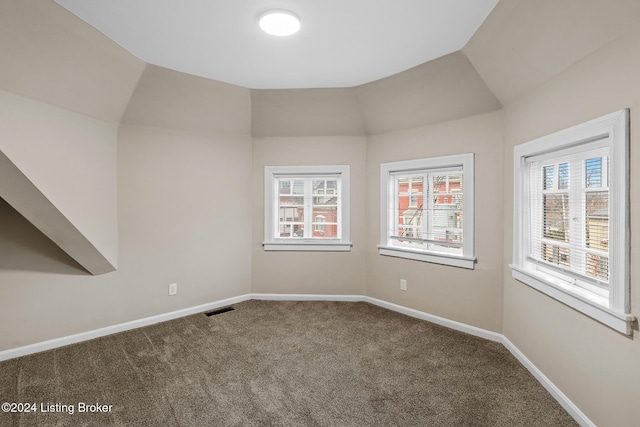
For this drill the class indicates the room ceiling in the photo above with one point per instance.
(342, 43)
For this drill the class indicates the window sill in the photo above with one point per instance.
(589, 305)
(433, 257)
(308, 246)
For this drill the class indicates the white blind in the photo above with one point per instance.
(569, 218)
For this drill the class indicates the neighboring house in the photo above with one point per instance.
(442, 218)
(325, 210)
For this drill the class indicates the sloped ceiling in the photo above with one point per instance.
(50, 55)
(170, 99)
(441, 90)
(524, 43)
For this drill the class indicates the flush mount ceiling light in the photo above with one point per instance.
(279, 22)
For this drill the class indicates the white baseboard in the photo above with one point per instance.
(554, 391)
(307, 297)
(562, 399)
(451, 324)
(121, 327)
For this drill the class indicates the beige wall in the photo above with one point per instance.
(306, 112)
(474, 296)
(184, 203)
(330, 273)
(63, 89)
(183, 208)
(170, 189)
(68, 164)
(596, 367)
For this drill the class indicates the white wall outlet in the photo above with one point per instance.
(173, 288)
(403, 284)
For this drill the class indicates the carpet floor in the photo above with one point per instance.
(270, 363)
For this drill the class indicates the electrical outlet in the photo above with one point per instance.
(173, 288)
(403, 284)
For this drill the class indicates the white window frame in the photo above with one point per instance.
(612, 309)
(271, 209)
(464, 162)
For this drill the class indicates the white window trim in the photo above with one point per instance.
(272, 243)
(614, 311)
(466, 162)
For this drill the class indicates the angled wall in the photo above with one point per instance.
(169, 181)
(439, 108)
(59, 171)
(63, 90)
(305, 112)
(308, 127)
(473, 296)
(555, 65)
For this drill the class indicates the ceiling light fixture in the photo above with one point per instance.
(279, 23)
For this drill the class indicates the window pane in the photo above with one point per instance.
(291, 208)
(298, 187)
(556, 216)
(446, 235)
(330, 231)
(292, 201)
(439, 184)
(598, 267)
(597, 224)
(563, 176)
(290, 214)
(555, 254)
(593, 172)
(285, 187)
(328, 200)
(325, 186)
(415, 200)
(328, 213)
(411, 217)
(445, 215)
(404, 203)
(455, 183)
(429, 218)
(547, 177)
(291, 230)
(298, 230)
(409, 232)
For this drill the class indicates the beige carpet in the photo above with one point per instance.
(281, 364)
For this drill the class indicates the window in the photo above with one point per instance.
(427, 210)
(320, 226)
(571, 218)
(307, 208)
